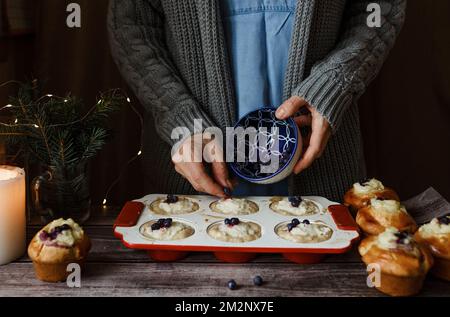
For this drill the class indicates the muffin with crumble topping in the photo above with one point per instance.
(436, 234)
(403, 262)
(57, 245)
(361, 193)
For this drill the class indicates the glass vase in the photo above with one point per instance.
(62, 192)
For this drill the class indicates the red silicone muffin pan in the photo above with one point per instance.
(336, 216)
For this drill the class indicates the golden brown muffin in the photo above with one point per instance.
(53, 248)
(436, 234)
(403, 262)
(381, 214)
(361, 193)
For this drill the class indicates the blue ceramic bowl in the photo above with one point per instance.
(267, 157)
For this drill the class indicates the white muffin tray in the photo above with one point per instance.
(336, 216)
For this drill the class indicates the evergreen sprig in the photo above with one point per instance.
(58, 131)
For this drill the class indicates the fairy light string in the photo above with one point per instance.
(123, 169)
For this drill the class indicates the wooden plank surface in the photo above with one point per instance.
(113, 270)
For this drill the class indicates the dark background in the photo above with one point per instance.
(405, 113)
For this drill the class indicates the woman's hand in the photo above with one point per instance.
(189, 162)
(316, 141)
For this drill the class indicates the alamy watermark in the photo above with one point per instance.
(243, 145)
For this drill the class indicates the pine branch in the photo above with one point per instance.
(56, 130)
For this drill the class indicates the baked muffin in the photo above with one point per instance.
(403, 262)
(436, 234)
(293, 206)
(173, 205)
(234, 206)
(234, 230)
(54, 247)
(381, 214)
(166, 229)
(304, 231)
(361, 193)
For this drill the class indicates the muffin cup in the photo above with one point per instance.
(399, 286)
(235, 257)
(304, 258)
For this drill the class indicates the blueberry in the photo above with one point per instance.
(227, 191)
(306, 222)
(257, 280)
(234, 221)
(362, 182)
(171, 199)
(161, 221)
(66, 227)
(295, 222)
(295, 201)
(444, 220)
(285, 157)
(156, 226)
(167, 222)
(290, 226)
(44, 235)
(227, 221)
(401, 235)
(232, 284)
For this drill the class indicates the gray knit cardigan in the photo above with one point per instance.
(173, 55)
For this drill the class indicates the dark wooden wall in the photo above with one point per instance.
(405, 113)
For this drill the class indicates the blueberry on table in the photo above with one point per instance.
(306, 222)
(257, 280)
(232, 284)
(295, 222)
(234, 221)
(171, 199)
(227, 221)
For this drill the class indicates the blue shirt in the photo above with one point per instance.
(258, 34)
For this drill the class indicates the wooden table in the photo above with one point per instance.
(113, 270)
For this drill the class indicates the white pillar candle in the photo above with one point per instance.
(12, 213)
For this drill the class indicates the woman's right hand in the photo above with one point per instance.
(190, 159)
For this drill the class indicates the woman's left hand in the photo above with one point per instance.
(320, 129)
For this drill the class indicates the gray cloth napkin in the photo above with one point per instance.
(426, 206)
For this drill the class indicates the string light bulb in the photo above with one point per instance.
(128, 100)
(104, 202)
(49, 95)
(139, 153)
(8, 106)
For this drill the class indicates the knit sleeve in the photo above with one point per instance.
(136, 34)
(341, 78)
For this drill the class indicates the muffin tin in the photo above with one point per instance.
(136, 213)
